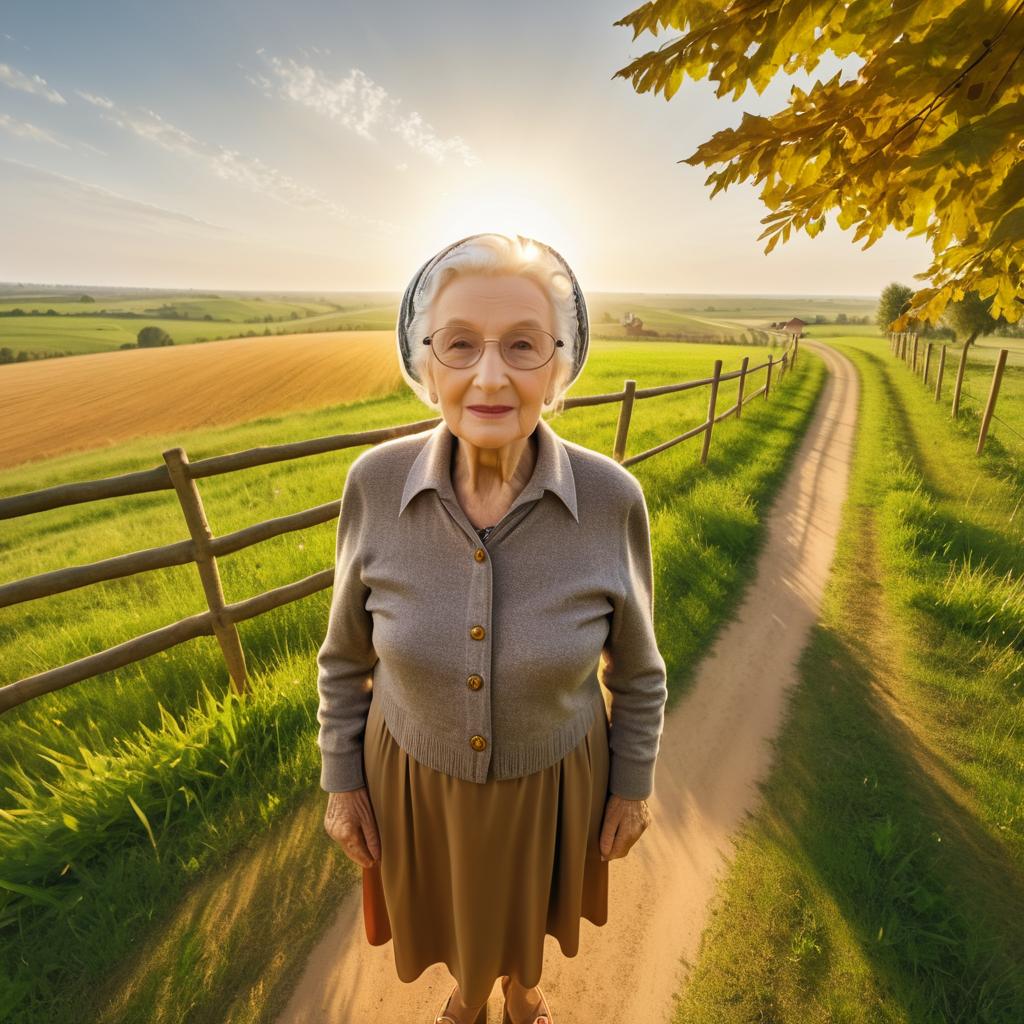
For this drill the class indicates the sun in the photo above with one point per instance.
(512, 208)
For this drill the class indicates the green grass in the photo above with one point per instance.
(697, 317)
(80, 334)
(234, 308)
(1004, 444)
(881, 878)
(177, 779)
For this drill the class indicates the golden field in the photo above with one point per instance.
(52, 406)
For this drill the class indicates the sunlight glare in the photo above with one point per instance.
(503, 207)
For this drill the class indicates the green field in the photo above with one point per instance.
(193, 317)
(880, 881)
(189, 318)
(882, 878)
(1005, 439)
(91, 879)
(186, 320)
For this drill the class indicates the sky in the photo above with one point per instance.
(315, 146)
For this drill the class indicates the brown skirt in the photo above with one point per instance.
(475, 875)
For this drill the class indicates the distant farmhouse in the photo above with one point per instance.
(795, 326)
(635, 327)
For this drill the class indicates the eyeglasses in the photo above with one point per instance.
(525, 348)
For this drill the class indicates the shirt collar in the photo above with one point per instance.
(431, 469)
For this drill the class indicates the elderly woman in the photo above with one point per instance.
(482, 569)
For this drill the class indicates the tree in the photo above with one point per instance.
(971, 316)
(927, 138)
(153, 337)
(895, 299)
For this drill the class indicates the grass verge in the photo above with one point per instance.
(880, 879)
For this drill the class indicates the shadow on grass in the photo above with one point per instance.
(936, 901)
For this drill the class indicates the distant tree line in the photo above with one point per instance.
(8, 355)
(121, 314)
(964, 320)
(842, 318)
(160, 313)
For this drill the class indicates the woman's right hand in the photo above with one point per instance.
(350, 822)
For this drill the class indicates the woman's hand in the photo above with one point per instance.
(624, 823)
(350, 822)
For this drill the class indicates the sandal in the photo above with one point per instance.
(538, 1018)
(444, 1018)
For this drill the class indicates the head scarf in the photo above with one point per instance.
(408, 308)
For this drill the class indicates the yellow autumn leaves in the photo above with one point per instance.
(928, 138)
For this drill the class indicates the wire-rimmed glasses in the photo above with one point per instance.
(522, 348)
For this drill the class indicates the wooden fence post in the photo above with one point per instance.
(739, 389)
(913, 360)
(625, 414)
(927, 360)
(938, 376)
(195, 516)
(711, 413)
(768, 378)
(993, 394)
(959, 381)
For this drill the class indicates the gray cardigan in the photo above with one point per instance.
(485, 656)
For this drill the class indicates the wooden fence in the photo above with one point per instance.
(203, 548)
(905, 347)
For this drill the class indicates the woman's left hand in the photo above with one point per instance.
(624, 823)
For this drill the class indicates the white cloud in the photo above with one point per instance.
(101, 200)
(254, 174)
(357, 103)
(230, 165)
(152, 127)
(96, 101)
(31, 84)
(29, 131)
(95, 149)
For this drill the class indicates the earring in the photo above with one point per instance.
(433, 397)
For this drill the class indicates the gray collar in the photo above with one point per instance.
(551, 472)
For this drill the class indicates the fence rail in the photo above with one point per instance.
(905, 346)
(203, 548)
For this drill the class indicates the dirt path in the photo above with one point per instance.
(715, 748)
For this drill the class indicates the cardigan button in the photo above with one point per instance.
(477, 632)
(475, 682)
(478, 742)
(479, 554)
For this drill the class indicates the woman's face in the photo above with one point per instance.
(492, 304)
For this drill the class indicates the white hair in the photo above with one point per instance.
(499, 254)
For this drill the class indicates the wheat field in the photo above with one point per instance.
(52, 406)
